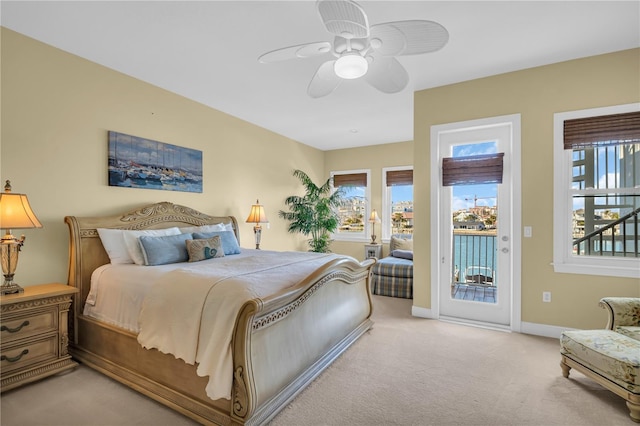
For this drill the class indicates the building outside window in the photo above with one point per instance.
(355, 210)
(597, 191)
(397, 201)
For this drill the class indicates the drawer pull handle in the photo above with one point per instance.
(15, 358)
(14, 330)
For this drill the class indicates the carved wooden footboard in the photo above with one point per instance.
(280, 343)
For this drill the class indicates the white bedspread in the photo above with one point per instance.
(118, 290)
(190, 311)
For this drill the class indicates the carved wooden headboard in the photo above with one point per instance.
(86, 252)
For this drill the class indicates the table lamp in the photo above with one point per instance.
(257, 216)
(373, 219)
(15, 213)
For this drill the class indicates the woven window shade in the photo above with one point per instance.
(399, 177)
(604, 130)
(472, 170)
(354, 179)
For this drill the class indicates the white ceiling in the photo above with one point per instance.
(207, 51)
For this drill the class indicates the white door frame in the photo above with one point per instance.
(436, 223)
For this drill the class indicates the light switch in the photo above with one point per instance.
(527, 231)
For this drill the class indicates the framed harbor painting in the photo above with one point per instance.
(137, 162)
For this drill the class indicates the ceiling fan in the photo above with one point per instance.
(361, 50)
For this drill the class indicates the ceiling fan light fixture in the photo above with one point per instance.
(351, 65)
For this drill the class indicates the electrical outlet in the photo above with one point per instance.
(546, 296)
(527, 232)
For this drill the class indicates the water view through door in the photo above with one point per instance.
(475, 218)
(474, 209)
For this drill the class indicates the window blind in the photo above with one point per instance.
(353, 179)
(472, 170)
(399, 177)
(604, 130)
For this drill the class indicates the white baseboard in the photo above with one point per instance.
(419, 312)
(543, 329)
(525, 327)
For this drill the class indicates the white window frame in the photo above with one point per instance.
(564, 260)
(386, 201)
(365, 235)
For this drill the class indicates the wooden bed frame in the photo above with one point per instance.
(280, 343)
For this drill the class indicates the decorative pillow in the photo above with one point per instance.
(113, 243)
(402, 254)
(398, 243)
(133, 246)
(203, 228)
(206, 248)
(163, 250)
(228, 239)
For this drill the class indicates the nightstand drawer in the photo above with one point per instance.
(34, 334)
(28, 324)
(20, 356)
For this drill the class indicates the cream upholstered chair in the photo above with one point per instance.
(624, 315)
(611, 356)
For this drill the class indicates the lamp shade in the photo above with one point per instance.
(15, 211)
(257, 214)
(374, 217)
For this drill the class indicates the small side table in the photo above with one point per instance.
(34, 334)
(372, 251)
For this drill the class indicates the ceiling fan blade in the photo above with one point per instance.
(293, 52)
(408, 37)
(324, 81)
(344, 18)
(387, 74)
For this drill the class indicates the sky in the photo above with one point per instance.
(402, 193)
(464, 196)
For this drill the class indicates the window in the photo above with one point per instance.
(354, 212)
(397, 201)
(597, 191)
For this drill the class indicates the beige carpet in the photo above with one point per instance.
(405, 371)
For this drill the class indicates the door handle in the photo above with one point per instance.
(505, 250)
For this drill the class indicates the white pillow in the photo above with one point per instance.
(203, 228)
(113, 243)
(133, 246)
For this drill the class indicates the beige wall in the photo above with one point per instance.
(56, 112)
(374, 158)
(57, 109)
(536, 94)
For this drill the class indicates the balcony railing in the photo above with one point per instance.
(619, 238)
(474, 258)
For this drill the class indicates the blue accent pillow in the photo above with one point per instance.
(228, 238)
(402, 254)
(163, 250)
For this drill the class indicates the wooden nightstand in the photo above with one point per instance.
(372, 250)
(34, 334)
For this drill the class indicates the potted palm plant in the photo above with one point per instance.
(315, 213)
